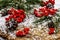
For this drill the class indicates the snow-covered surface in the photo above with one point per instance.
(2, 23)
(27, 21)
(57, 3)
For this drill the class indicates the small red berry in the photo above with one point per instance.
(20, 11)
(22, 16)
(51, 30)
(26, 30)
(7, 19)
(20, 33)
(39, 15)
(17, 33)
(19, 20)
(52, 2)
(46, 2)
(11, 16)
(52, 12)
(46, 13)
(35, 11)
(42, 9)
(14, 16)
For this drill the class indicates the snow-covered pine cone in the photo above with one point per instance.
(12, 24)
(4, 12)
(49, 5)
(51, 24)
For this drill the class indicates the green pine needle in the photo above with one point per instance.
(20, 4)
(42, 19)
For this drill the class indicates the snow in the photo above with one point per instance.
(28, 21)
(57, 3)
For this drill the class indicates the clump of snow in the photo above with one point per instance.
(28, 21)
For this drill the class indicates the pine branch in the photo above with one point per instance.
(43, 19)
(57, 15)
(19, 4)
(33, 2)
